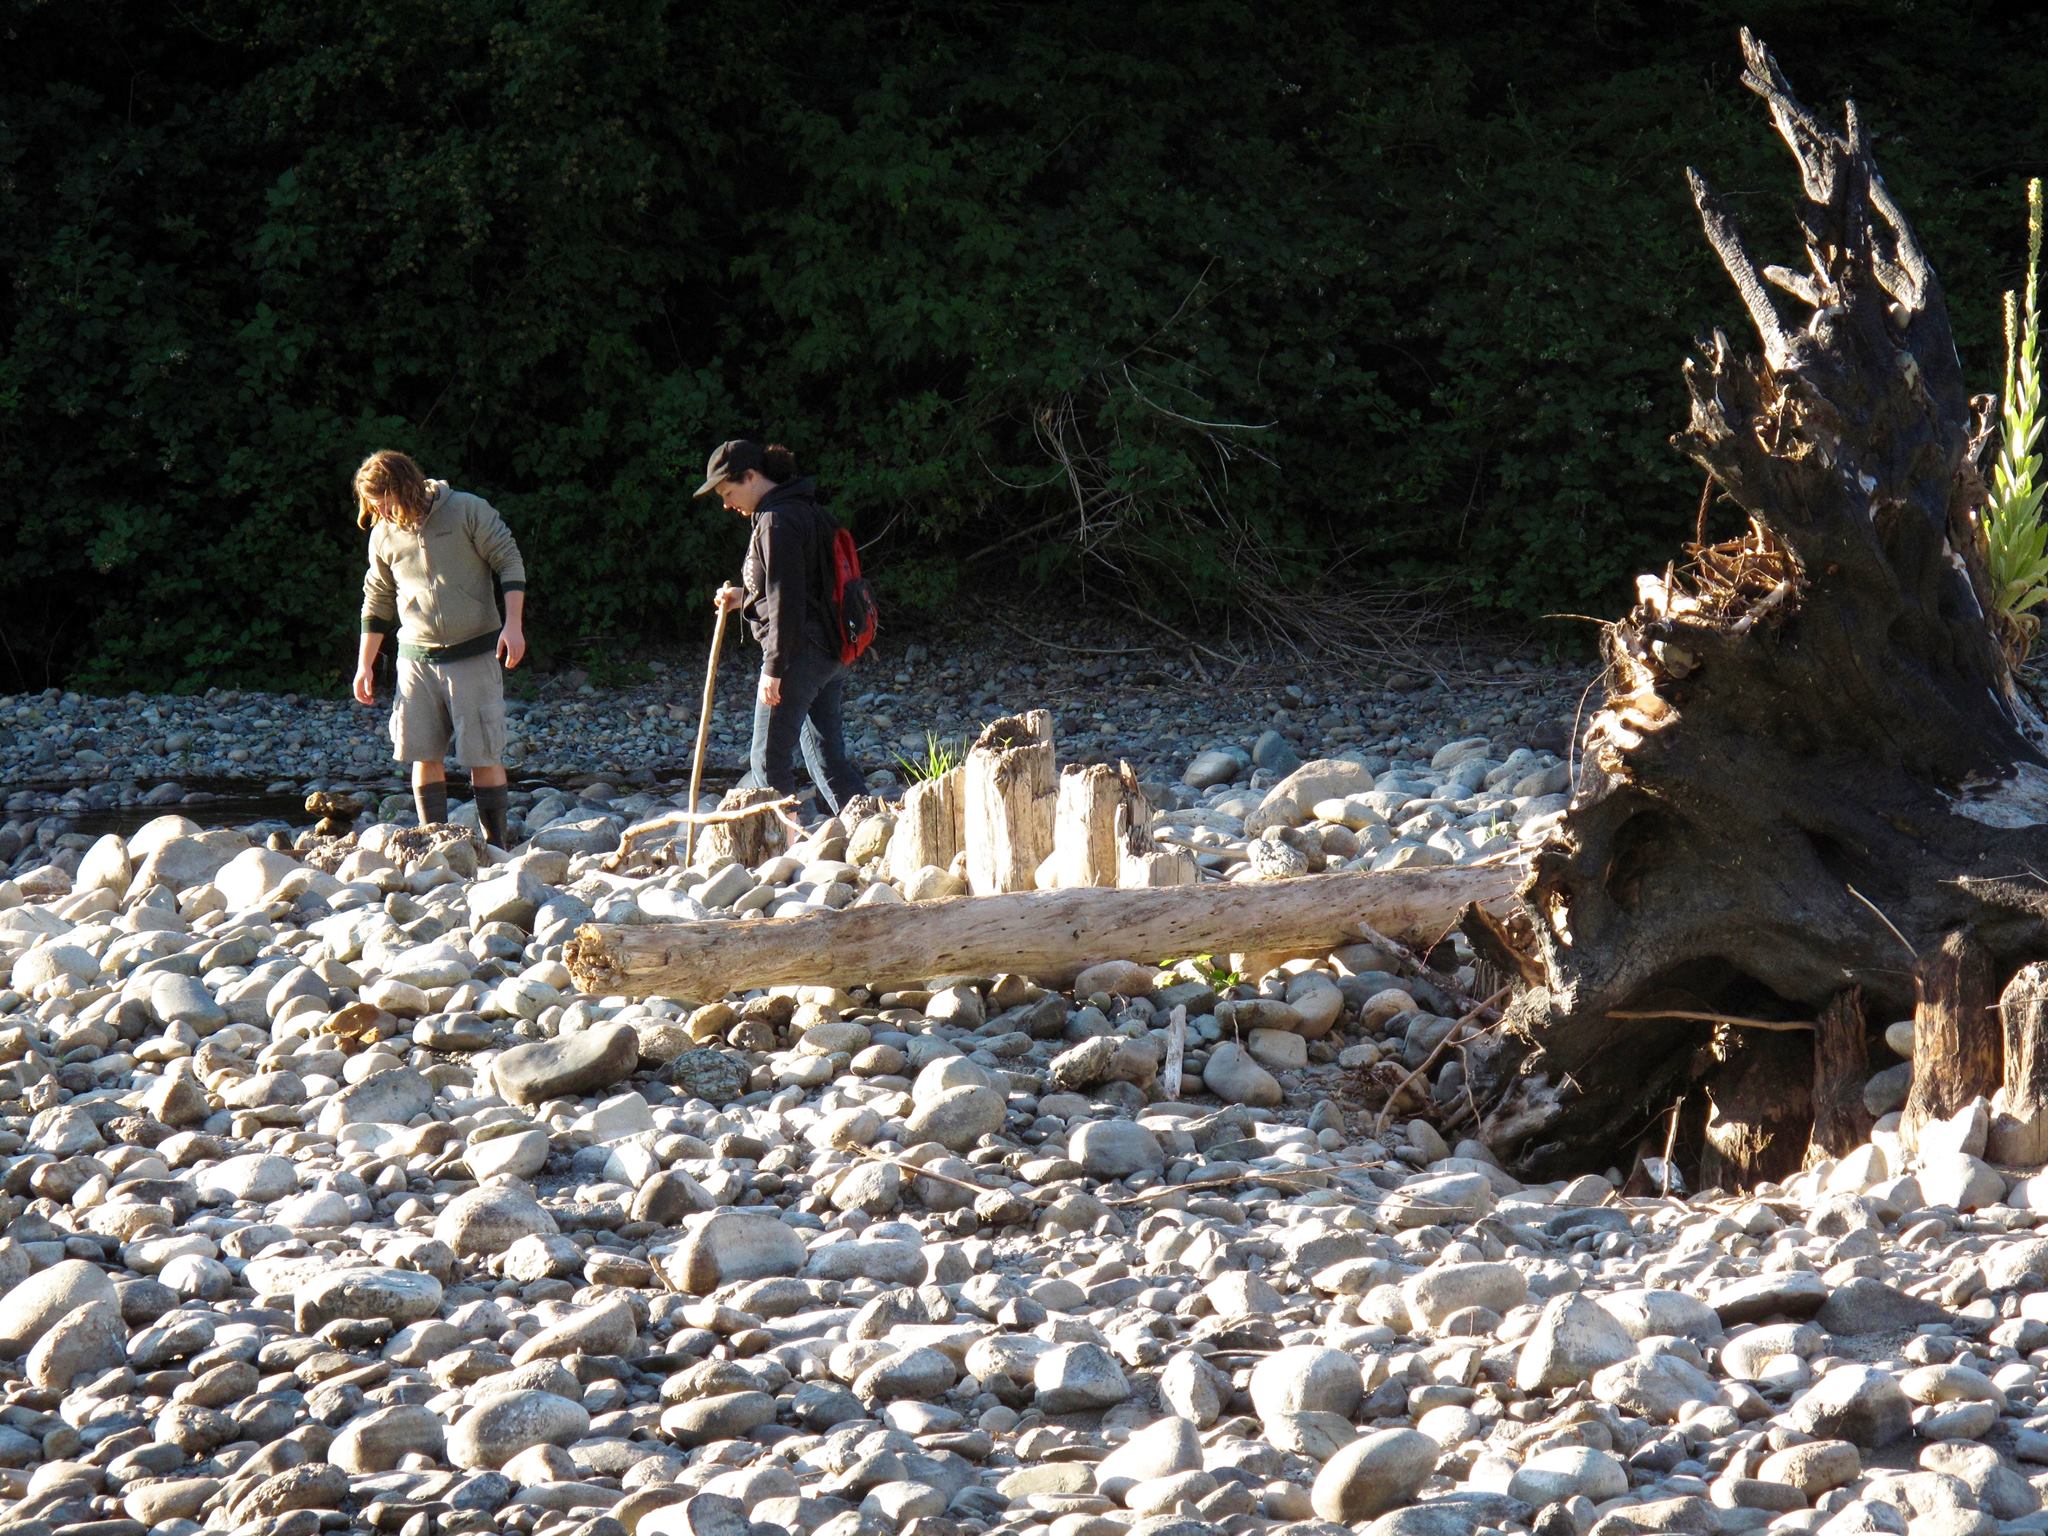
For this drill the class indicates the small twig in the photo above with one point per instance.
(1407, 956)
(1780, 1026)
(1193, 644)
(1379, 1124)
(944, 1178)
(1670, 1143)
(1773, 600)
(1885, 920)
(1079, 650)
(779, 808)
(1268, 1176)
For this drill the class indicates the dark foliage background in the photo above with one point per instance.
(1019, 281)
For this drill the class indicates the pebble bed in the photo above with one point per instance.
(328, 1204)
(70, 753)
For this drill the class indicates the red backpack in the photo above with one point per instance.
(853, 600)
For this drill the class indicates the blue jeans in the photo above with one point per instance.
(813, 690)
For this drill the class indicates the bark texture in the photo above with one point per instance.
(1760, 1109)
(1813, 763)
(1955, 1034)
(1841, 1066)
(752, 840)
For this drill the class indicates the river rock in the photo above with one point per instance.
(397, 1296)
(1574, 1339)
(85, 1341)
(1234, 1077)
(488, 1220)
(723, 1246)
(1115, 1149)
(1859, 1403)
(31, 1308)
(1372, 1475)
(583, 1063)
(1078, 1378)
(957, 1118)
(503, 1425)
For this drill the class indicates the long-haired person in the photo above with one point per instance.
(433, 553)
(787, 601)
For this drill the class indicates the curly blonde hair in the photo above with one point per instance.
(390, 475)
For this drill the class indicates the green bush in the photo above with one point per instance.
(1175, 302)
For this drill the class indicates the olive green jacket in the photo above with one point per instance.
(434, 586)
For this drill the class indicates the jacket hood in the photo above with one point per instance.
(803, 488)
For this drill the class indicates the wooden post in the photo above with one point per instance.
(1760, 1113)
(1955, 1037)
(1841, 1066)
(931, 828)
(1010, 796)
(2019, 1112)
(1095, 800)
(1048, 935)
(1141, 864)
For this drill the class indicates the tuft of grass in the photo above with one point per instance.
(2015, 538)
(1205, 968)
(942, 754)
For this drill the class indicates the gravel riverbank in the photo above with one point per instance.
(96, 755)
(329, 1204)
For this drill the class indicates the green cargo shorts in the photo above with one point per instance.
(440, 701)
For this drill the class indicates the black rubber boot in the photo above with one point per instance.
(490, 811)
(432, 801)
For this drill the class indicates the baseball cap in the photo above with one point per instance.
(729, 461)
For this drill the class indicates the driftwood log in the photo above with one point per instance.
(1048, 935)
(1814, 764)
(751, 839)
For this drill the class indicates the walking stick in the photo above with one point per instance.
(703, 733)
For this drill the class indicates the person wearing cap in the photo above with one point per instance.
(433, 553)
(787, 602)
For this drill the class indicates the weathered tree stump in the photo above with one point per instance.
(1813, 762)
(1142, 864)
(932, 826)
(1009, 795)
(1841, 1066)
(2019, 1111)
(1760, 1110)
(1085, 846)
(751, 840)
(1955, 1035)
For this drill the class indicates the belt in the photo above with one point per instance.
(482, 645)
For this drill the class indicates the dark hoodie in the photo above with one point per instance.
(788, 575)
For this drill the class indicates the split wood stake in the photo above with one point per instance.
(704, 729)
(1176, 1050)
